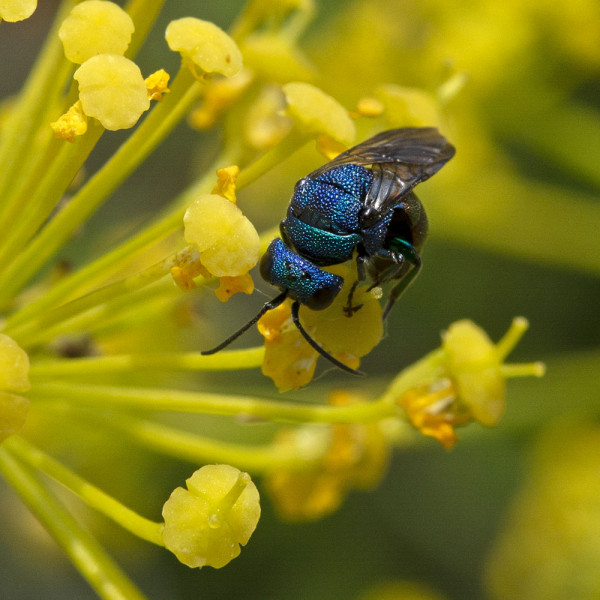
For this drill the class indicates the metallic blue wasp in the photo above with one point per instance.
(361, 205)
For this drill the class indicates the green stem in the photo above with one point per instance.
(229, 360)
(44, 86)
(200, 449)
(535, 369)
(85, 552)
(98, 271)
(423, 371)
(41, 195)
(44, 325)
(511, 338)
(94, 497)
(290, 144)
(143, 13)
(161, 120)
(22, 199)
(153, 399)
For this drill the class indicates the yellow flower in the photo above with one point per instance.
(70, 125)
(276, 58)
(466, 381)
(157, 84)
(17, 10)
(225, 185)
(220, 95)
(228, 286)
(205, 45)
(352, 456)
(408, 106)
(347, 333)
(207, 523)
(228, 243)
(112, 90)
(289, 361)
(95, 27)
(315, 113)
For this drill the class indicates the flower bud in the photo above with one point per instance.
(95, 27)
(474, 365)
(17, 10)
(207, 46)
(227, 241)
(112, 90)
(315, 113)
(70, 125)
(205, 524)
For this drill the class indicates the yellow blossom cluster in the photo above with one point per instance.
(104, 348)
(354, 456)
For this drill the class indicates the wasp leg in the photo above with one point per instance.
(350, 309)
(270, 305)
(361, 275)
(408, 253)
(323, 353)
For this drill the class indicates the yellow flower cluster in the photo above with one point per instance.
(108, 343)
(467, 383)
(353, 456)
(95, 35)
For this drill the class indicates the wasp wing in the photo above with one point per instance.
(400, 159)
(417, 153)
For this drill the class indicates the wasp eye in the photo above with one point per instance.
(322, 297)
(266, 264)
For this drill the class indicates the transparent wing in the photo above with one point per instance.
(413, 153)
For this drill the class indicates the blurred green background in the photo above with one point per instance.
(514, 230)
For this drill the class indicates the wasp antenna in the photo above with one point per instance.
(323, 353)
(270, 305)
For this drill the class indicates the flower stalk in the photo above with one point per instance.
(184, 91)
(105, 577)
(93, 496)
